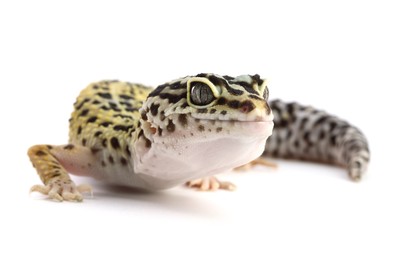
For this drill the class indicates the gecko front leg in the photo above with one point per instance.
(210, 184)
(49, 162)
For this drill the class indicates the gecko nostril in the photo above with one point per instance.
(246, 106)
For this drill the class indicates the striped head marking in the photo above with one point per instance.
(208, 97)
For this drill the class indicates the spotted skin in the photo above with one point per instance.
(187, 130)
(303, 132)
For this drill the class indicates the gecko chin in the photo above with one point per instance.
(201, 149)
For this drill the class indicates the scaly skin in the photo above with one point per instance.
(187, 130)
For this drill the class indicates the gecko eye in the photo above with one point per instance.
(201, 94)
(265, 93)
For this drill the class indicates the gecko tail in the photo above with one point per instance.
(305, 133)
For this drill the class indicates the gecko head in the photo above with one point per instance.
(209, 97)
(208, 115)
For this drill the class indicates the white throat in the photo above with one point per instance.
(180, 157)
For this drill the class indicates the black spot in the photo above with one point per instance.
(79, 130)
(233, 91)
(221, 101)
(96, 102)
(228, 77)
(111, 159)
(320, 120)
(103, 164)
(247, 87)
(154, 109)
(130, 109)
(160, 131)
(148, 143)
(143, 116)
(217, 81)
(84, 112)
(106, 124)
(92, 119)
(104, 142)
(82, 103)
(290, 107)
(219, 129)
(126, 97)
(68, 147)
(40, 153)
(202, 110)
(114, 107)
(105, 95)
(105, 108)
(95, 150)
(124, 162)
(49, 147)
(333, 140)
(296, 144)
(171, 126)
(162, 116)
(125, 103)
(140, 134)
(224, 112)
(201, 128)
(115, 143)
(182, 119)
(256, 78)
(184, 105)
(128, 152)
(212, 111)
(84, 141)
(233, 104)
(332, 126)
(171, 97)
(157, 90)
(303, 123)
(53, 175)
(306, 137)
(98, 133)
(122, 128)
(253, 96)
(322, 135)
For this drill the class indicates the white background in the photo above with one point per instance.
(350, 58)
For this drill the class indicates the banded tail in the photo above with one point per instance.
(302, 132)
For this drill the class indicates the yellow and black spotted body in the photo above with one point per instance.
(187, 129)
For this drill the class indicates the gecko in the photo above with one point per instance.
(186, 131)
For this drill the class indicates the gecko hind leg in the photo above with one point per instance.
(57, 183)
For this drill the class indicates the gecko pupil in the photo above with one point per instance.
(201, 94)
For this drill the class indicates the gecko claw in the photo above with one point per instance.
(60, 190)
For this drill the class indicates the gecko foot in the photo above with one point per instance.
(61, 190)
(258, 161)
(210, 184)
